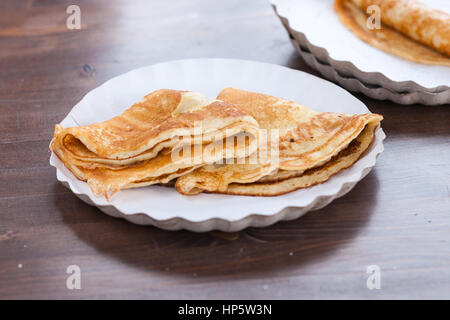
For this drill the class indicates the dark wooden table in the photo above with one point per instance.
(397, 218)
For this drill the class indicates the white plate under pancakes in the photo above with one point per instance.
(316, 29)
(167, 209)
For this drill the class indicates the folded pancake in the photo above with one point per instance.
(313, 176)
(409, 29)
(306, 139)
(167, 134)
(217, 176)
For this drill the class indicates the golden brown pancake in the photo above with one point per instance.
(216, 177)
(306, 139)
(409, 29)
(167, 134)
(344, 159)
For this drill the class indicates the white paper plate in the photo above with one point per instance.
(315, 26)
(166, 208)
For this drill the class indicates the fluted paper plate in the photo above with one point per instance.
(167, 209)
(315, 28)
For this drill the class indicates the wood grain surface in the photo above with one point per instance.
(398, 217)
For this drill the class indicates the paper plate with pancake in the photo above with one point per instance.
(404, 58)
(208, 144)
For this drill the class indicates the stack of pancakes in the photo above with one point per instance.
(242, 143)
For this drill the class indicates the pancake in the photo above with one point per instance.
(151, 125)
(216, 177)
(306, 139)
(160, 169)
(409, 30)
(313, 176)
(167, 134)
